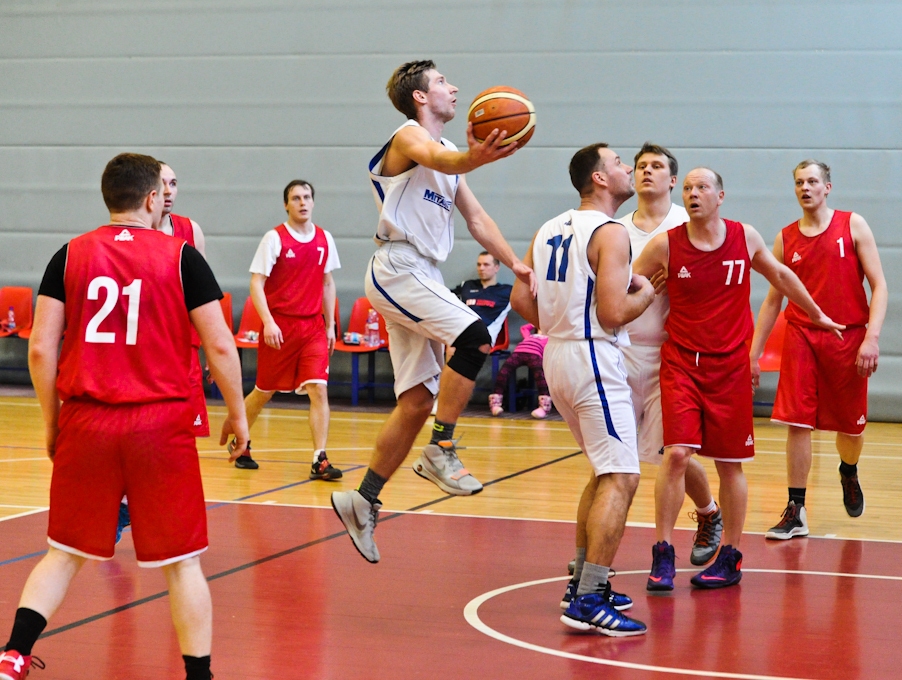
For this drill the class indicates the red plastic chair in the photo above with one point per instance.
(499, 350)
(357, 324)
(21, 299)
(250, 321)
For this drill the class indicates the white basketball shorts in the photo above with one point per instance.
(643, 368)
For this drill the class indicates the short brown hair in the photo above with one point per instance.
(406, 79)
(486, 253)
(825, 169)
(657, 150)
(583, 164)
(127, 180)
(297, 183)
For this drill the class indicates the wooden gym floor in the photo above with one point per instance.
(467, 587)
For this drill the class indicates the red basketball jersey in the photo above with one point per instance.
(127, 336)
(182, 228)
(828, 266)
(295, 285)
(709, 292)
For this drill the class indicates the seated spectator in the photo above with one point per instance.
(488, 298)
(529, 353)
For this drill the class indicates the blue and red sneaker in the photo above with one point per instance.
(726, 570)
(663, 569)
(618, 601)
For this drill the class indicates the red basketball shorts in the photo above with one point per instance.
(819, 384)
(200, 423)
(707, 402)
(144, 451)
(302, 358)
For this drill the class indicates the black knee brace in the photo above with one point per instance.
(468, 358)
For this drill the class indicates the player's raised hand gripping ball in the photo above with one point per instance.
(506, 109)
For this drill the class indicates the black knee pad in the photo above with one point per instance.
(468, 358)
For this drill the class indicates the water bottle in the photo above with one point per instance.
(371, 339)
(11, 320)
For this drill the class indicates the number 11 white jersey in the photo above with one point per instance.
(566, 295)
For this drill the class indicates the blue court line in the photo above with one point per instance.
(21, 557)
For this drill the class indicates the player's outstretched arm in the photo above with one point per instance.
(866, 249)
(767, 317)
(43, 360)
(653, 260)
(785, 281)
(489, 236)
(609, 257)
(414, 143)
(523, 299)
(272, 334)
(219, 348)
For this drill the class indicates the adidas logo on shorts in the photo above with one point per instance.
(290, 253)
(862, 420)
(124, 235)
(684, 273)
(750, 441)
(796, 257)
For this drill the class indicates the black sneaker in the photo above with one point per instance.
(244, 461)
(852, 497)
(322, 469)
(794, 522)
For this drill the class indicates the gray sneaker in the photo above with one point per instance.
(707, 538)
(441, 466)
(359, 517)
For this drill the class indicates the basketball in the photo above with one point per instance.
(503, 108)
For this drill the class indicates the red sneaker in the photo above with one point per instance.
(14, 666)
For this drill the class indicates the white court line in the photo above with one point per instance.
(30, 507)
(20, 460)
(24, 514)
(471, 614)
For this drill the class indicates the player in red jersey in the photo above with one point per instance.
(189, 231)
(107, 293)
(705, 366)
(824, 380)
(294, 293)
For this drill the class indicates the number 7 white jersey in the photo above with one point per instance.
(566, 295)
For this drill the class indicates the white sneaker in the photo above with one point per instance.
(359, 517)
(544, 407)
(495, 404)
(441, 466)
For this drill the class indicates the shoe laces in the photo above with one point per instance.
(705, 532)
(850, 488)
(790, 515)
(452, 462)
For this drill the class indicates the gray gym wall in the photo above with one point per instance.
(241, 96)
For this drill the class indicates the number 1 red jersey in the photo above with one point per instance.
(127, 336)
(828, 266)
(709, 292)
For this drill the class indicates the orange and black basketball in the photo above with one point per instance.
(503, 108)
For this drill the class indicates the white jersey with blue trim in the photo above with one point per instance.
(648, 329)
(416, 206)
(566, 297)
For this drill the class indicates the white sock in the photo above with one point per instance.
(316, 454)
(708, 509)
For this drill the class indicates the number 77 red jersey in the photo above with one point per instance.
(709, 292)
(127, 336)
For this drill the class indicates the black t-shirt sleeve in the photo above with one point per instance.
(198, 281)
(54, 282)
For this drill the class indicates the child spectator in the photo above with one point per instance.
(529, 352)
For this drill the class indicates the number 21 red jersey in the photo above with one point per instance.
(709, 292)
(127, 337)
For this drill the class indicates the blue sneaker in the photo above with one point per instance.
(125, 519)
(663, 569)
(726, 570)
(594, 611)
(619, 601)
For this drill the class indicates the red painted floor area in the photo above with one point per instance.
(293, 599)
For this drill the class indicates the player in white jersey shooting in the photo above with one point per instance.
(418, 180)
